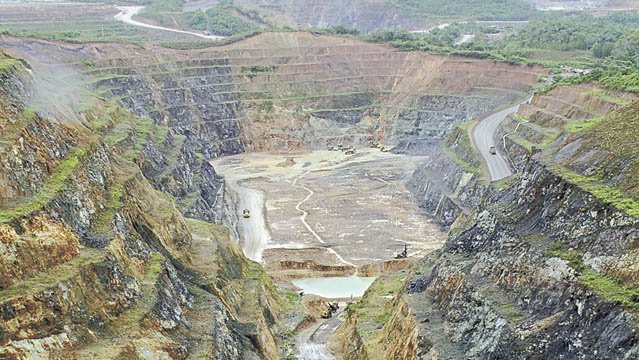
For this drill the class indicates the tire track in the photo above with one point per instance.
(298, 207)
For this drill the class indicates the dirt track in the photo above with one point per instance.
(127, 12)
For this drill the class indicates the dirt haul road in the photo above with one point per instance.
(311, 343)
(484, 136)
(127, 12)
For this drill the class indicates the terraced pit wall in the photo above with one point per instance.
(284, 91)
(538, 266)
(97, 263)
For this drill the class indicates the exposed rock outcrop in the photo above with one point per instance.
(535, 268)
(97, 263)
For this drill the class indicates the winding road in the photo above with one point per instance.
(484, 134)
(127, 12)
(311, 343)
(253, 230)
(308, 227)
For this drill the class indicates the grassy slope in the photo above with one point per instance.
(617, 177)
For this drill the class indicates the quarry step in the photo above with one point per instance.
(54, 275)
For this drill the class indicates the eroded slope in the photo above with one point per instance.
(97, 263)
(539, 266)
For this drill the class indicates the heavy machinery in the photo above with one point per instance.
(326, 314)
(403, 254)
(246, 213)
(331, 308)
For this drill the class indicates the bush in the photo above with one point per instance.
(224, 23)
(197, 20)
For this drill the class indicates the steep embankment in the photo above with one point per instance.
(283, 91)
(95, 262)
(544, 266)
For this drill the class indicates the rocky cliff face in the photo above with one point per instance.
(95, 262)
(536, 268)
(528, 265)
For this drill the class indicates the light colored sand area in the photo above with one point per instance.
(341, 210)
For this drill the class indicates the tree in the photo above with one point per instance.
(197, 20)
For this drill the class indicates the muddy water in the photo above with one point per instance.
(335, 287)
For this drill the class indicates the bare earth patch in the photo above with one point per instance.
(326, 213)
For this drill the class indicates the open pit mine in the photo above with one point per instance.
(297, 195)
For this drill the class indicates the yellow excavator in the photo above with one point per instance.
(326, 314)
(330, 310)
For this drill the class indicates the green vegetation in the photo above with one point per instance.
(255, 271)
(28, 114)
(505, 182)
(573, 257)
(584, 125)
(511, 312)
(290, 297)
(608, 96)
(462, 163)
(54, 275)
(604, 286)
(459, 142)
(469, 9)
(163, 11)
(336, 30)
(375, 308)
(226, 18)
(224, 22)
(143, 128)
(48, 190)
(610, 289)
(197, 20)
(147, 299)
(125, 130)
(89, 30)
(615, 133)
(252, 71)
(582, 32)
(200, 44)
(6, 62)
(154, 267)
(612, 42)
(606, 193)
(266, 106)
(608, 46)
(101, 225)
(356, 108)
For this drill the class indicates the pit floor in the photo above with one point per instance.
(327, 207)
